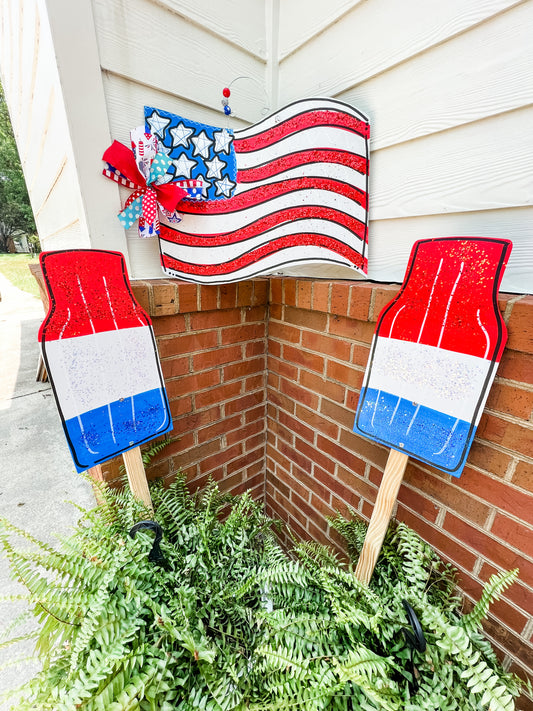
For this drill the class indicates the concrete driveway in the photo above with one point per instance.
(37, 475)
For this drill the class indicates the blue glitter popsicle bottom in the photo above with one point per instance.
(102, 433)
(426, 434)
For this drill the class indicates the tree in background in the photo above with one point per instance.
(16, 216)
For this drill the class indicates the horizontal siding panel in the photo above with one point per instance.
(375, 36)
(301, 20)
(145, 42)
(237, 21)
(125, 101)
(479, 166)
(480, 73)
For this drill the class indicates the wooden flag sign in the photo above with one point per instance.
(101, 357)
(432, 361)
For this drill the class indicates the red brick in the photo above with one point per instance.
(219, 356)
(217, 394)
(223, 456)
(507, 434)
(488, 547)
(519, 326)
(360, 355)
(514, 533)
(419, 503)
(275, 290)
(243, 368)
(243, 403)
(228, 296)
(164, 298)
(196, 454)
(312, 320)
(343, 373)
(295, 455)
(351, 329)
(289, 291)
(510, 400)
(340, 297)
(322, 386)
(510, 616)
(303, 294)
(187, 344)
(249, 332)
(523, 476)
(438, 539)
(192, 383)
(260, 292)
(244, 461)
(358, 484)
(311, 484)
(287, 370)
(204, 320)
(279, 400)
(194, 421)
(187, 298)
(296, 426)
(338, 413)
(498, 493)
(316, 455)
(346, 494)
(321, 291)
(516, 366)
(316, 422)
(311, 361)
(299, 394)
(326, 345)
(360, 298)
(168, 325)
(254, 314)
(274, 349)
(243, 433)
(341, 455)
(283, 332)
(255, 348)
(255, 442)
(141, 293)
(174, 367)
(208, 297)
(375, 453)
(485, 457)
(280, 459)
(453, 496)
(181, 406)
(218, 428)
(382, 296)
(254, 382)
(245, 290)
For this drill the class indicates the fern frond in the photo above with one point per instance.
(491, 593)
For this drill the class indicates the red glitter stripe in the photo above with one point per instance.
(295, 124)
(264, 251)
(308, 157)
(264, 193)
(264, 224)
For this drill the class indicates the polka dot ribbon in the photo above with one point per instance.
(130, 168)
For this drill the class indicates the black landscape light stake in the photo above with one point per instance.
(414, 639)
(155, 556)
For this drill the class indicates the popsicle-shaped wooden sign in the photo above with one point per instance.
(432, 361)
(100, 354)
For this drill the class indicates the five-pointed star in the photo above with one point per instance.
(181, 134)
(184, 166)
(206, 184)
(157, 123)
(201, 144)
(223, 139)
(216, 166)
(224, 186)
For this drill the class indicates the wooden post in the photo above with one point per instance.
(136, 475)
(386, 498)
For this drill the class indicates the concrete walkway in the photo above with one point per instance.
(37, 475)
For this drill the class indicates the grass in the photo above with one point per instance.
(15, 268)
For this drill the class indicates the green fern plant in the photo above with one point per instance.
(231, 622)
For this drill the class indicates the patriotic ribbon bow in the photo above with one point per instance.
(143, 170)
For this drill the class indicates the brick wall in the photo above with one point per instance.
(318, 345)
(291, 441)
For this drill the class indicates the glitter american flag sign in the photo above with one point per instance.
(301, 196)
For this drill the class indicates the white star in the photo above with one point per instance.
(224, 187)
(157, 123)
(202, 143)
(181, 134)
(216, 166)
(223, 141)
(184, 166)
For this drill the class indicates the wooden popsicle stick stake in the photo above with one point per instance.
(136, 475)
(386, 498)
